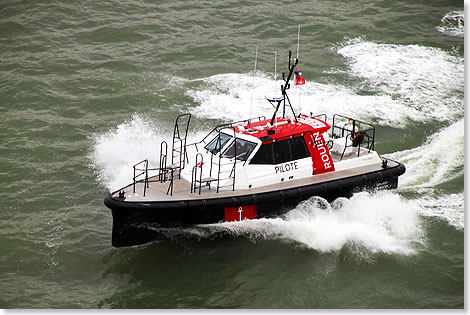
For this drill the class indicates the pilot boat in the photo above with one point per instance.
(250, 169)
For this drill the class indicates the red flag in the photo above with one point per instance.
(298, 78)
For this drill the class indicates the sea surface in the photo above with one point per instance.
(89, 88)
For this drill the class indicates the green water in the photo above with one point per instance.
(89, 88)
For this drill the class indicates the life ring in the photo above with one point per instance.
(358, 139)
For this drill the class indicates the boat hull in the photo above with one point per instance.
(136, 223)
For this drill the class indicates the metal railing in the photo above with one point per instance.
(163, 161)
(143, 171)
(356, 132)
(194, 180)
(180, 134)
(218, 128)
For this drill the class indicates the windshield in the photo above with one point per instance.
(241, 148)
(218, 143)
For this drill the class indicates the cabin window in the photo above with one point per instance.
(281, 151)
(299, 148)
(218, 143)
(241, 148)
(264, 155)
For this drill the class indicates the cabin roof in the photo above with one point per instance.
(283, 127)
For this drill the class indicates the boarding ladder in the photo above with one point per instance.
(178, 152)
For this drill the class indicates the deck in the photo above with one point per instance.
(157, 191)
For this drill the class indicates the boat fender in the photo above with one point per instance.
(358, 139)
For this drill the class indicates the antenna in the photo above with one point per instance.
(298, 48)
(252, 86)
(275, 72)
(298, 41)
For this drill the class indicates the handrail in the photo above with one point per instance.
(170, 187)
(234, 159)
(318, 116)
(353, 132)
(234, 162)
(194, 173)
(174, 156)
(143, 171)
(163, 161)
(180, 136)
(227, 125)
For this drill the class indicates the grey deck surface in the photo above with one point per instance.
(181, 188)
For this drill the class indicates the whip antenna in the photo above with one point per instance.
(298, 41)
(275, 73)
(298, 47)
(252, 86)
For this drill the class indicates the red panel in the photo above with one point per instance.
(240, 213)
(321, 158)
(288, 128)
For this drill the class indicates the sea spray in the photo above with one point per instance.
(116, 151)
(410, 83)
(227, 96)
(448, 207)
(452, 24)
(439, 159)
(427, 80)
(376, 222)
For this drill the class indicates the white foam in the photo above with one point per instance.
(412, 83)
(116, 151)
(449, 208)
(381, 222)
(452, 24)
(427, 80)
(228, 97)
(438, 160)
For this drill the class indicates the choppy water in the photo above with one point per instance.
(89, 88)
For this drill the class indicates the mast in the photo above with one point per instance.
(284, 87)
